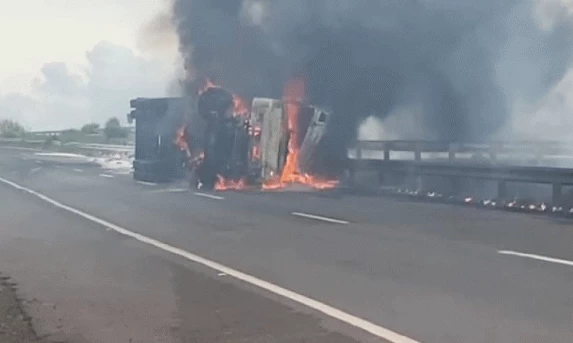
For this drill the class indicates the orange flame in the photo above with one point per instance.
(208, 85)
(293, 95)
(240, 107)
(225, 185)
(181, 140)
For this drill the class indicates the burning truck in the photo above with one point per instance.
(271, 143)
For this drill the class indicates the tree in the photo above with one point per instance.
(11, 129)
(113, 129)
(90, 129)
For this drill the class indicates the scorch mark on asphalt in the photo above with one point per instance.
(324, 219)
(537, 257)
(328, 310)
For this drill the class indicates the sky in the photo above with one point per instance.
(69, 62)
(66, 63)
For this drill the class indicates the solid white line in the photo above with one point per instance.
(333, 312)
(170, 190)
(325, 219)
(146, 183)
(106, 175)
(210, 196)
(537, 257)
(78, 170)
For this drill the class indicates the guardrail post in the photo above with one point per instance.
(417, 153)
(557, 194)
(501, 189)
(359, 153)
(452, 151)
(386, 152)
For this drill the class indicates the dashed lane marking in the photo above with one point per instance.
(146, 183)
(328, 310)
(537, 257)
(78, 170)
(106, 175)
(210, 196)
(324, 219)
(170, 190)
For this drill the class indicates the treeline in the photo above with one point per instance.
(112, 129)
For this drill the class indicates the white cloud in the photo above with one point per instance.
(62, 98)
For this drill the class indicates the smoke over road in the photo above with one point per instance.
(454, 67)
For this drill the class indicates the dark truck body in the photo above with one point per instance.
(157, 159)
(226, 140)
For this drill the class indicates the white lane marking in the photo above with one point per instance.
(221, 274)
(328, 310)
(210, 196)
(536, 257)
(78, 170)
(171, 190)
(146, 183)
(24, 158)
(325, 219)
(106, 175)
(35, 170)
(39, 162)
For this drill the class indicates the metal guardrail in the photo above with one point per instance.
(492, 149)
(502, 173)
(85, 146)
(105, 147)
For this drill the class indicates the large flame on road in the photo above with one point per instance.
(226, 185)
(293, 95)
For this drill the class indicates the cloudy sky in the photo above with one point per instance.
(69, 62)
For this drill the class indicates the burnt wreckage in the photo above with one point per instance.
(250, 147)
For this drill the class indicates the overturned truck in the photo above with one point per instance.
(250, 147)
(253, 147)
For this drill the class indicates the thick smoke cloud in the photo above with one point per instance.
(459, 65)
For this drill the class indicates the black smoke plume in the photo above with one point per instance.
(364, 57)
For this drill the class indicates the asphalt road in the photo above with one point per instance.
(428, 272)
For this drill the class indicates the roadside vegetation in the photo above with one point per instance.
(11, 131)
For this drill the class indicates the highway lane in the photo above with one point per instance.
(84, 283)
(432, 272)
